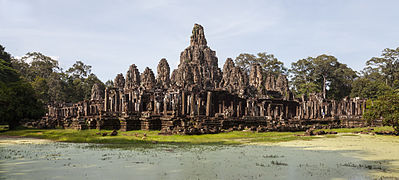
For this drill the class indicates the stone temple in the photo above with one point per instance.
(198, 98)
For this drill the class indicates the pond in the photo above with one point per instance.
(24, 158)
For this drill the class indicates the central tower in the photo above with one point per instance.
(198, 66)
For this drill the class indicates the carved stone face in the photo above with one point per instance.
(196, 55)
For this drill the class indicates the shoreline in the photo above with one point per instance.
(140, 137)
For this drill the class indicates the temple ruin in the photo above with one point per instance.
(198, 98)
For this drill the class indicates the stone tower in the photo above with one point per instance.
(147, 79)
(198, 64)
(163, 72)
(132, 77)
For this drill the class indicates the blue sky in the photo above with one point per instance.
(111, 35)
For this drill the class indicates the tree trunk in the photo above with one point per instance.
(324, 87)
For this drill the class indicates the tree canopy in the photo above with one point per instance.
(385, 106)
(51, 83)
(385, 67)
(269, 63)
(17, 97)
(322, 74)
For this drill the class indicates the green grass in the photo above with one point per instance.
(136, 137)
(349, 135)
(351, 130)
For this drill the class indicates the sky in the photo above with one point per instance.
(111, 35)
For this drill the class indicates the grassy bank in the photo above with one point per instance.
(351, 130)
(152, 137)
(137, 137)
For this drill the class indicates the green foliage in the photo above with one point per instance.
(39, 66)
(302, 77)
(367, 88)
(109, 84)
(52, 84)
(17, 97)
(323, 74)
(269, 63)
(26, 87)
(79, 70)
(385, 68)
(7, 73)
(381, 75)
(44, 75)
(41, 88)
(81, 87)
(386, 106)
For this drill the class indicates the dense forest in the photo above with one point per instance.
(28, 83)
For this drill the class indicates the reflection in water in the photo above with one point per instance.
(54, 160)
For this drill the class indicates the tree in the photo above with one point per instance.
(79, 70)
(44, 75)
(80, 81)
(322, 74)
(40, 65)
(386, 107)
(341, 81)
(386, 66)
(51, 83)
(109, 84)
(379, 76)
(302, 78)
(364, 87)
(17, 97)
(269, 63)
(325, 66)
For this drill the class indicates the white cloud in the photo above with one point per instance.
(112, 35)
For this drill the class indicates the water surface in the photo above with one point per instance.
(23, 158)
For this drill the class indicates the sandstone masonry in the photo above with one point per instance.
(198, 98)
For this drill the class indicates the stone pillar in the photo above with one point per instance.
(118, 102)
(296, 111)
(233, 110)
(287, 114)
(155, 109)
(262, 111)
(239, 109)
(350, 108)
(165, 106)
(247, 109)
(253, 106)
(112, 104)
(364, 107)
(123, 103)
(269, 109)
(192, 103)
(183, 103)
(208, 104)
(106, 103)
(199, 105)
